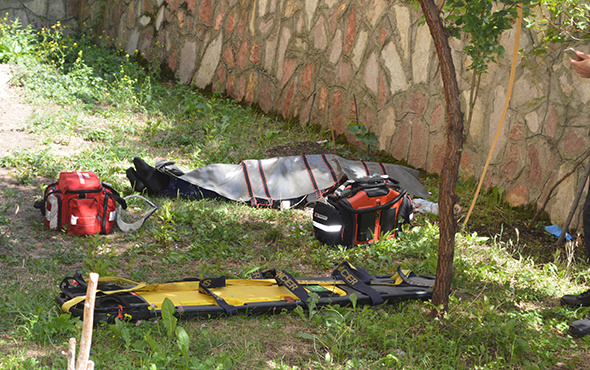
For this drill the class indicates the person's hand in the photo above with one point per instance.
(582, 64)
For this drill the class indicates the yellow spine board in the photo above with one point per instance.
(237, 292)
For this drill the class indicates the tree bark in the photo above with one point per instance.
(452, 158)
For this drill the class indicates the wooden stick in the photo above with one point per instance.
(561, 238)
(86, 340)
(71, 355)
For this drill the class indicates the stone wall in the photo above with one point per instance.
(40, 13)
(331, 61)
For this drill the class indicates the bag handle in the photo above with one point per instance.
(346, 205)
(126, 227)
(365, 183)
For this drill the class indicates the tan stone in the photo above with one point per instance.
(375, 10)
(283, 42)
(310, 8)
(262, 6)
(320, 40)
(423, 55)
(187, 61)
(402, 19)
(131, 48)
(393, 63)
(336, 49)
(386, 130)
(371, 73)
(209, 63)
(290, 8)
(532, 121)
(270, 50)
(358, 51)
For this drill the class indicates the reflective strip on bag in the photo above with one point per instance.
(327, 228)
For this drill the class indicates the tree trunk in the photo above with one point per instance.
(452, 158)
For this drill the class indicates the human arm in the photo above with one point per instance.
(582, 64)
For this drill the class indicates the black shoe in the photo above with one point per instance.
(576, 300)
(154, 180)
(580, 328)
(136, 184)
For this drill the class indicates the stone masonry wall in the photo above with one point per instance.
(39, 13)
(331, 61)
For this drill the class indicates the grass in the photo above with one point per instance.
(98, 108)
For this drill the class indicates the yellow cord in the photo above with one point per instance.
(506, 103)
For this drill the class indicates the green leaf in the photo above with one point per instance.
(170, 321)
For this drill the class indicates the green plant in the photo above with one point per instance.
(363, 135)
(15, 41)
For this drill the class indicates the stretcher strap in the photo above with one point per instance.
(405, 276)
(357, 278)
(206, 284)
(285, 279)
(75, 300)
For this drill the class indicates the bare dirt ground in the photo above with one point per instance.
(13, 115)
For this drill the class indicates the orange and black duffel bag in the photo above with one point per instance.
(360, 211)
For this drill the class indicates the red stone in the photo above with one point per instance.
(131, 18)
(437, 161)
(266, 96)
(240, 88)
(255, 53)
(219, 20)
(231, 23)
(572, 143)
(437, 115)
(287, 102)
(401, 140)
(305, 113)
(418, 148)
(336, 117)
(511, 163)
(383, 35)
(228, 55)
(206, 11)
(417, 103)
(534, 165)
(242, 25)
(190, 4)
(172, 61)
(350, 30)
(241, 57)
(147, 6)
(551, 123)
(288, 71)
(344, 71)
(231, 85)
(516, 132)
(306, 77)
(219, 81)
